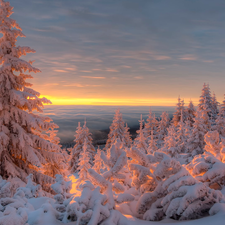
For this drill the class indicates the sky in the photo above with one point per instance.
(124, 52)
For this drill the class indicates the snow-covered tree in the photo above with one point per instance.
(83, 164)
(98, 165)
(177, 114)
(62, 189)
(82, 134)
(205, 102)
(142, 166)
(116, 163)
(152, 144)
(92, 207)
(118, 131)
(170, 142)
(215, 109)
(140, 141)
(220, 124)
(208, 169)
(178, 195)
(222, 108)
(190, 113)
(24, 145)
(31, 190)
(162, 128)
(201, 126)
(151, 124)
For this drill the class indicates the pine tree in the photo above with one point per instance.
(222, 108)
(206, 102)
(84, 163)
(215, 110)
(170, 142)
(177, 115)
(24, 142)
(162, 128)
(98, 161)
(82, 134)
(190, 113)
(151, 124)
(118, 131)
(152, 144)
(140, 141)
(220, 124)
(201, 126)
(182, 135)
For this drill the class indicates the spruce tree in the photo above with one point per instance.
(151, 124)
(152, 144)
(25, 144)
(215, 110)
(82, 135)
(140, 141)
(162, 128)
(177, 114)
(118, 131)
(208, 103)
(220, 124)
(201, 126)
(222, 108)
(190, 113)
(98, 161)
(84, 162)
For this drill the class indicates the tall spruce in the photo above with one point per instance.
(25, 144)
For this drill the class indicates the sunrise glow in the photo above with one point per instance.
(112, 102)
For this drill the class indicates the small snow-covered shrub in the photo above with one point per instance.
(208, 169)
(178, 194)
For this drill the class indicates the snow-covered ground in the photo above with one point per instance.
(39, 217)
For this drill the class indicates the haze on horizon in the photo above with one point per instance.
(125, 52)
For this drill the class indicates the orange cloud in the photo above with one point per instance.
(90, 77)
(60, 71)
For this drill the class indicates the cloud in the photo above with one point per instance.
(162, 57)
(138, 77)
(51, 84)
(85, 71)
(90, 77)
(60, 71)
(81, 85)
(112, 70)
(188, 57)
